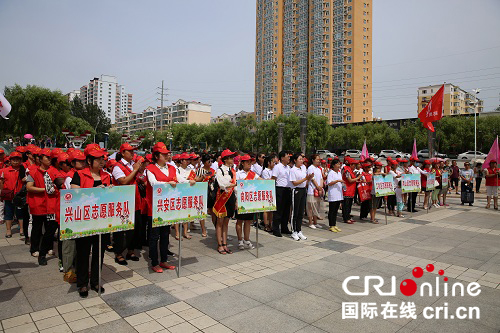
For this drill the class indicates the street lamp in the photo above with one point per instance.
(475, 91)
(280, 136)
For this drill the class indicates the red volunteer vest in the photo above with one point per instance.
(424, 178)
(161, 177)
(127, 172)
(350, 187)
(87, 181)
(11, 179)
(43, 203)
(492, 181)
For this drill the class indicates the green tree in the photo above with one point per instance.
(93, 115)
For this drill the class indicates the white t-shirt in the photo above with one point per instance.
(282, 174)
(257, 169)
(118, 173)
(335, 190)
(241, 175)
(318, 177)
(215, 165)
(297, 174)
(183, 174)
(395, 180)
(266, 173)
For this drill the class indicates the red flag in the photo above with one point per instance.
(433, 111)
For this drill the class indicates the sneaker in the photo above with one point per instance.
(42, 261)
(157, 269)
(229, 238)
(332, 229)
(301, 236)
(337, 228)
(318, 226)
(312, 226)
(61, 269)
(249, 245)
(295, 236)
(50, 253)
(241, 245)
(35, 254)
(167, 266)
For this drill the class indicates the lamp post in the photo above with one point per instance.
(475, 91)
(280, 136)
(303, 129)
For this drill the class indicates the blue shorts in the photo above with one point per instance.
(9, 209)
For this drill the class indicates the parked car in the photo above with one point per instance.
(353, 153)
(324, 154)
(390, 153)
(424, 153)
(469, 155)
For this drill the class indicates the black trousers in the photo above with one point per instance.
(282, 213)
(42, 242)
(155, 234)
(333, 209)
(391, 202)
(139, 231)
(26, 220)
(454, 183)
(298, 204)
(412, 201)
(478, 184)
(83, 247)
(346, 208)
(145, 237)
(364, 209)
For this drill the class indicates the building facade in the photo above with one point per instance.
(234, 118)
(110, 96)
(455, 100)
(314, 56)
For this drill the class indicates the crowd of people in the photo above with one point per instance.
(31, 179)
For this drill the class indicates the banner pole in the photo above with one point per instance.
(180, 239)
(100, 264)
(256, 235)
(385, 209)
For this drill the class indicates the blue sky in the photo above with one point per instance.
(204, 49)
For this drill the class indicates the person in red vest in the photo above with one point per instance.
(366, 181)
(91, 176)
(350, 180)
(424, 171)
(43, 183)
(11, 182)
(63, 167)
(125, 173)
(159, 172)
(2, 156)
(492, 176)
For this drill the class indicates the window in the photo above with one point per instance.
(348, 101)
(347, 110)
(424, 91)
(349, 83)
(349, 42)
(348, 118)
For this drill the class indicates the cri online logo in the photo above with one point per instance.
(408, 287)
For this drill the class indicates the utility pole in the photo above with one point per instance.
(161, 99)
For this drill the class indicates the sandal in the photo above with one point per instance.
(223, 251)
(176, 237)
(187, 236)
(8, 236)
(228, 251)
(374, 221)
(204, 234)
(121, 261)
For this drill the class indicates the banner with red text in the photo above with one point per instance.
(179, 204)
(92, 211)
(256, 196)
(383, 185)
(410, 183)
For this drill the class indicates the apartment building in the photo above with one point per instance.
(455, 100)
(234, 118)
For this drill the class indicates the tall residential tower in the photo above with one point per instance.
(314, 56)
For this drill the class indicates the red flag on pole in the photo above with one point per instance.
(433, 111)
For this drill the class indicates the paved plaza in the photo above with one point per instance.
(292, 286)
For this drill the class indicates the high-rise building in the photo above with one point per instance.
(314, 56)
(455, 100)
(106, 93)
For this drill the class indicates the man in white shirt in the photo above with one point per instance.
(281, 174)
(257, 165)
(412, 199)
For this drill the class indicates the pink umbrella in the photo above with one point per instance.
(28, 136)
(436, 159)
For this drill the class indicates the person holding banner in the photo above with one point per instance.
(125, 173)
(245, 173)
(376, 202)
(435, 193)
(424, 171)
(225, 202)
(42, 185)
(349, 188)
(206, 174)
(298, 179)
(444, 185)
(334, 182)
(92, 176)
(492, 176)
(267, 174)
(185, 174)
(281, 174)
(159, 172)
(364, 189)
(412, 197)
(395, 202)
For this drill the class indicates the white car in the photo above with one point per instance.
(324, 154)
(469, 155)
(390, 153)
(353, 153)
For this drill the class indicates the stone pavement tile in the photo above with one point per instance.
(270, 320)
(384, 268)
(222, 304)
(478, 253)
(295, 304)
(16, 321)
(159, 312)
(137, 319)
(81, 324)
(324, 268)
(75, 315)
(297, 278)
(117, 326)
(183, 328)
(264, 289)
(106, 317)
(184, 295)
(49, 322)
(98, 309)
(90, 302)
(149, 327)
(335, 323)
(63, 328)
(69, 307)
(203, 322)
(138, 299)
(461, 261)
(44, 280)
(202, 264)
(488, 313)
(43, 314)
(148, 274)
(219, 328)
(421, 253)
(346, 259)
(178, 307)
(415, 221)
(190, 314)
(59, 295)
(25, 328)
(421, 325)
(331, 289)
(170, 320)
(311, 329)
(8, 282)
(383, 245)
(335, 246)
(13, 303)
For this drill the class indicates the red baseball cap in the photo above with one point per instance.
(55, 152)
(63, 157)
(404, 161)
(111, 164)
(353, 161)
(393, 162)
(184, 156)
(15, 154)
(389, 158)
(45, 151)
(31, 148)
(399, 159)
(193, 156)
(366, 165)
(76, 155)
(175, 157)
(227, 153)
(246, 157)
(2, 151)
(126, 146)
(329, 158)
(161, 148)
(21, 149)
(94, 150)
(37, 151)
(377, 163)
(149, 158)
(427, 162)
(70, 149)
(413, 159)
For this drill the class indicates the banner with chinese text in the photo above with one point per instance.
(431, 180)
(256, 196)
(92, 211)
(410, 183)
(444, 178)
(383, 185)
(179, 204)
